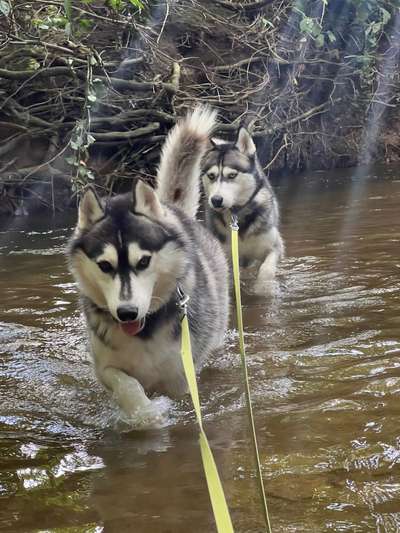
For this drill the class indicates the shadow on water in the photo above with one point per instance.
(325, 374)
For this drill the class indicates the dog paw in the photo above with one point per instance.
(154, 415)
(265, 287)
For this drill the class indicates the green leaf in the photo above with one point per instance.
(82, 171)
(68, 9)
(74, 145)
(5, 7)
(86, 24)
(90, 139)
(137, 3)
(115, 4)
(91, 97)
(386, 16)
(375, 27)
(33, 64)
(306, 25)
(320, 41)
(331, 37)
(316, 30)
(71, 160)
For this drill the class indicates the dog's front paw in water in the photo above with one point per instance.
(138, 411)
(153, 415)
(264, 287)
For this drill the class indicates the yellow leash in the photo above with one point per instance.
(239, 317)
(217, 497)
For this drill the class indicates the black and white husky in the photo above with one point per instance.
(131, 255)
(234, 182)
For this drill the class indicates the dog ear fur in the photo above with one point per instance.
(145, 200)
(90, 209)
(244, 142)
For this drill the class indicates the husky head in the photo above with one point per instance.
(229, 172)
(125, 256)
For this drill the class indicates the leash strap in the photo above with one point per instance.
(217, 497)
(239, 318)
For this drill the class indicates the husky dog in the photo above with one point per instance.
(235, 183)
(133, 255)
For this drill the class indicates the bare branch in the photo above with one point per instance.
(139, 132)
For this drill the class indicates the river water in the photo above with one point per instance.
(325, 374)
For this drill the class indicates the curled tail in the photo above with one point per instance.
(178, 177)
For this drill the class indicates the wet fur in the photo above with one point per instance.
(183, 253)
(250, 196)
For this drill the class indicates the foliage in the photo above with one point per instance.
(370, 19)
(76, 19)
(371, 15)
(99, 83)
(5, 7)
(81, 139)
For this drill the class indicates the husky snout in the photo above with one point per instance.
(222, 193)
(127, 313)
(217, 201)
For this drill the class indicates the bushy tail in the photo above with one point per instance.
(178, 177)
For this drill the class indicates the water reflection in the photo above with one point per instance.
(323, 367)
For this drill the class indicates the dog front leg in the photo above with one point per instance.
(127, 391)
(132, 399)
(266, 273)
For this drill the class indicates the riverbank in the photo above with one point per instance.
(316, 82)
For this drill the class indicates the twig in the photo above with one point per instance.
(164, 21)
(133, 134)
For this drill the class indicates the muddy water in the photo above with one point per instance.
(325, 374)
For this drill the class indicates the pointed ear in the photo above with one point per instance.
(90, 209)
(244, 142)
(145, 200)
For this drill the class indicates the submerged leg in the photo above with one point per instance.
(128, 392)
(131, 398)
(267, 271)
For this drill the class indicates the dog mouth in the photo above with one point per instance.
(133, 327)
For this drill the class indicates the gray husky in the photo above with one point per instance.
(235, 183)
(133, 256)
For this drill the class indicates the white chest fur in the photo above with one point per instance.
(155, 362)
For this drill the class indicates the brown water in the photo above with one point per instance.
(325, 374)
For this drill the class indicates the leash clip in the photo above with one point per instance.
(234, 222)
(182, 299)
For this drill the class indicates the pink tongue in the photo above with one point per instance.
(132, 328)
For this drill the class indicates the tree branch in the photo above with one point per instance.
(139, 132)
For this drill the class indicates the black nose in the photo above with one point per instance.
(127, 313)
(217, 201)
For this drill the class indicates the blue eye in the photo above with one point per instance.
(144, 262)
(105, 267)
